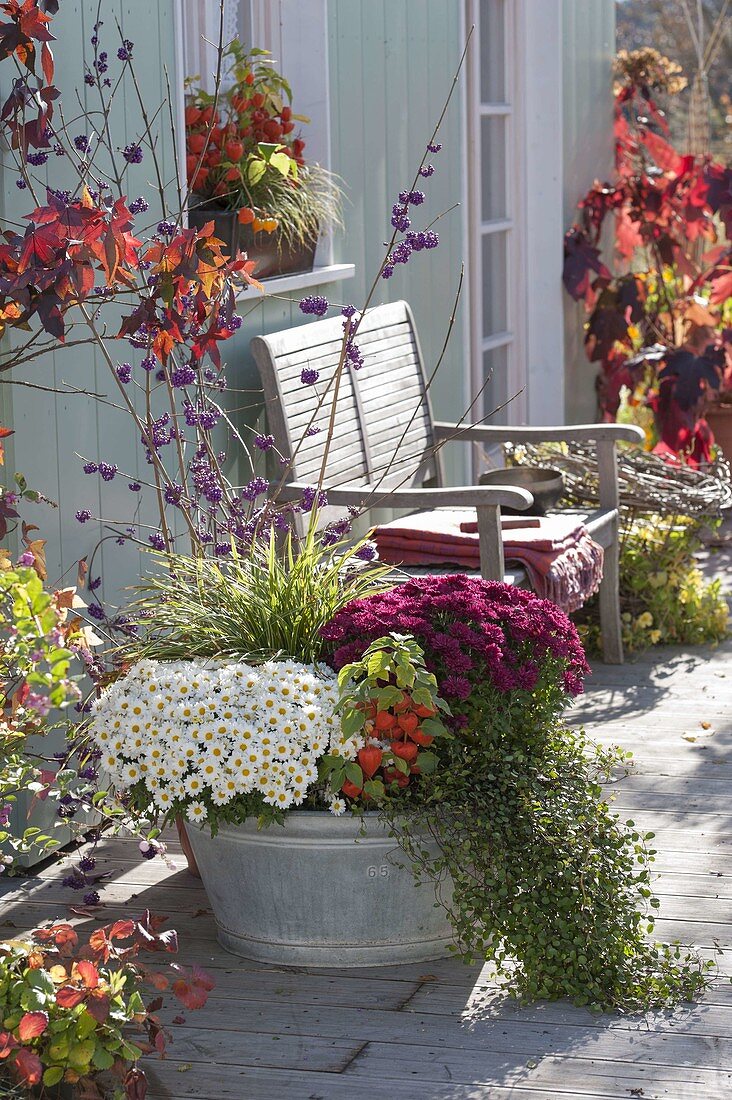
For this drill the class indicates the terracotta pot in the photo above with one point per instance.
(186, 846)
(719, 419)
(273, 255)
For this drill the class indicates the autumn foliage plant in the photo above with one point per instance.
(155, 300)
(659, 324)
(244, 153)
(42, 632)
(75, 1012)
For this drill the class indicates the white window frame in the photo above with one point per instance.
(296, 34)
(534, 335)
(477, 229)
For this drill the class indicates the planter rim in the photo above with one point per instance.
(306, 827)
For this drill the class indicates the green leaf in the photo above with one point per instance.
(255, 171)
(54, 1074)
(388, 697)
(354, 774)
(282, 163)
(101, 1058)
(85, 1025)
(427, 762)
(352, 722)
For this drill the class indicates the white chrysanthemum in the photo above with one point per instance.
(338, 806)
(163, 798)
(208, 733)
(194, 784)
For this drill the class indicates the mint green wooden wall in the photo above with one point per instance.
(391, 62)
(51, 428)
(589, 47)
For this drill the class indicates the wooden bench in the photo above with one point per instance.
(387, 447)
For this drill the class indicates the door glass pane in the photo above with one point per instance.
(495, 394)
(495, 279)
(492, 52)
(493, 167)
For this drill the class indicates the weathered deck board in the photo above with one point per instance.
(442, 1031)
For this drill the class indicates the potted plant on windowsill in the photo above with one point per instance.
(246, 170)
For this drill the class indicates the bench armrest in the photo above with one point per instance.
(567, 433)
(486, 499)
(468, 496)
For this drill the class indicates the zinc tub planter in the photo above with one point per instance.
(320, 891)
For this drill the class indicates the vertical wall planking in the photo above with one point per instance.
(589, 46)
(395, 81)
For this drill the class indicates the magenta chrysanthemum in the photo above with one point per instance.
(472, 631)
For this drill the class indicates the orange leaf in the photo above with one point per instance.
(163, 344)
(62, 936)
(88, 973)
(121, 930)
(32, 1025)
(159, 981)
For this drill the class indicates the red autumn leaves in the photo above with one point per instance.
(54, 265)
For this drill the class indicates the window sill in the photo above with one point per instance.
(329, 273)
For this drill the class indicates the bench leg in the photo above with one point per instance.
(610, 625)
(492, 565)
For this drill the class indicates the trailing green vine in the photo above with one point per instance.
(548, 883)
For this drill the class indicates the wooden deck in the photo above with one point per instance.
(439, 1031)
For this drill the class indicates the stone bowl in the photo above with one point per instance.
(545, 484)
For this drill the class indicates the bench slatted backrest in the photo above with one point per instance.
(375, 404)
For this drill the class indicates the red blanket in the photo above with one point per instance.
(563, 563)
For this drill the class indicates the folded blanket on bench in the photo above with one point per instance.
(563, 562)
